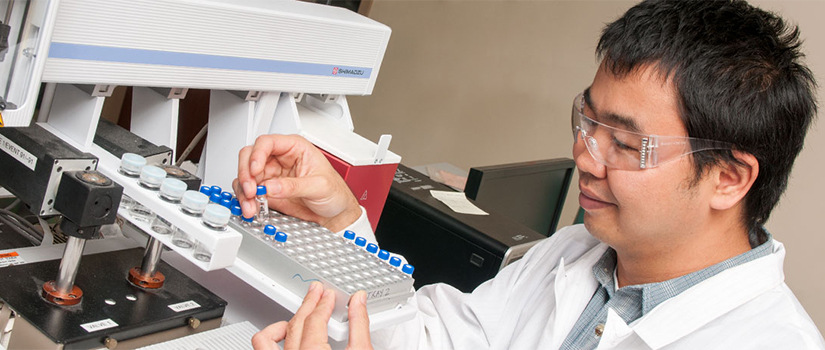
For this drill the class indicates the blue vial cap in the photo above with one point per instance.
(236, 210)
(235, 202)
(383, 254)
(280, 237)
(206, 190)
(226, 203)
(349, 235)
(408, 269)
(372, 248)
(215, 197)
(226, 195)
(395, 261)
(247, 219)
(216, 189)
(261, 190)
(269, 230)
(360, 241)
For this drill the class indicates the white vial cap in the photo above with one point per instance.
(152, 176)
(216, 215)
(131, 163)
(194, 202)
(172, 189)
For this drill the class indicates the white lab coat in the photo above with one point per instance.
(534, 303)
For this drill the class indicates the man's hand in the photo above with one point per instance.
(300, 182)
(308, 328)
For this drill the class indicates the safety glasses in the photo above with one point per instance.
(626, 150)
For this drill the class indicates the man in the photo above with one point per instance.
(673, 253)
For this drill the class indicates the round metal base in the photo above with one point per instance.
(51, 294)
(151, 282)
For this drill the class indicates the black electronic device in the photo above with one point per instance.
(532, 193)
(33, 161)
(117, 141)
(444, 246)
(112, 312)
(88, 199)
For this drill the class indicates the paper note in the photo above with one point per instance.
(458, 202)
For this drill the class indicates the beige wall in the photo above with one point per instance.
(478, 83)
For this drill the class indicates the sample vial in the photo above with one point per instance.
(162, 226)
(269, 233)
(171, 190)
(280, 239)
(126, 202)
(251, 225)
(216, 216)
(408, 269)
(372, 248)
(236, 212)
(226, 203)
(193, 203)
(395, 261)
(131, 163)
(360, 241)
(383, 254)
(201, 252)
(349, 235)
(263, 203)
(141, 213)
(215, 198)
(226, 195)
(216, 189)
(182, 239)
(151, 177)
(206, 190)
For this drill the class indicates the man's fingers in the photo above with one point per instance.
(268, 338)
(359, 322)
(308, 187)
(296, 324)
(244, 174)
(315, 325)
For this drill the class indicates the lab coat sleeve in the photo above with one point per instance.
(362, 227)
(450, 319)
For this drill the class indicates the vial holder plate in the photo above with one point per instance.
(314, 253)
(222, 244)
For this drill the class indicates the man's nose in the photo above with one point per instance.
(585, 161)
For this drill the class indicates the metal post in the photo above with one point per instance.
(151, 257)
(69, 264)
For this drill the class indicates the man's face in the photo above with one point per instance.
(639, 211)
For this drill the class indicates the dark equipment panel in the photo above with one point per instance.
(103, 277)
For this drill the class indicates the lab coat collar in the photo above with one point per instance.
(719, 295)
(574, 284)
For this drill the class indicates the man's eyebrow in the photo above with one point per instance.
(611, 118)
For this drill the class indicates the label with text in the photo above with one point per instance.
(99, 325)
(186, 305)
(17, 152)
(8, 259)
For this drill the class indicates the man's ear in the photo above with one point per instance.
(733, 180)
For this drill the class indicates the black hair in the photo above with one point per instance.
(739, 79)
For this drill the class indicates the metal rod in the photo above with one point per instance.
(69, 264)
(7, 19)
(151, 257)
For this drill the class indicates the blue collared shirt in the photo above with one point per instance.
(633, 302)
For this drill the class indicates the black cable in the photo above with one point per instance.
(22, 223)
(20, 231)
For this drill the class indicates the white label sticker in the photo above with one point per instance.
(458, 202)
(11, 259)
(186, 305)
(99, 325)
(22, 156)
